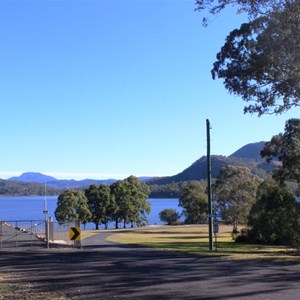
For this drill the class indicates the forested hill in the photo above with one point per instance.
(250, 151)
(58, 183)
(247, 156)
(14, 188)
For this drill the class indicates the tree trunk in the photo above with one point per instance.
(235, 227)
(105, 223)
(97, 226)
(117, 224)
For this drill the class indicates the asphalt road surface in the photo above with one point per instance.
(102, 270)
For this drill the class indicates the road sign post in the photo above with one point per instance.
(216, 231)
(216, 228)
(75, 235)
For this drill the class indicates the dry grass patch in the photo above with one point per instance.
(194, 239)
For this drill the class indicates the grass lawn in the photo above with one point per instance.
(194, 239)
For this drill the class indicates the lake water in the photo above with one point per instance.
(31, 208)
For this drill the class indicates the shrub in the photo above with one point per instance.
(274, 218)
(170, 216)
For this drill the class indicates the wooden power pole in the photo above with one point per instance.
(209, 193)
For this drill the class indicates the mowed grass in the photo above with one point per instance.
(194, 239)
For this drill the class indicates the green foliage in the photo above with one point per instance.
(72, 206)
(260, 61)
(274, 218)
(131, 203)
(14, 188)
(172, 185)
(286, 148)
(118, 190)
(194, 203)
(235, 192)
(139, 192)
(169, 190)
(250, 7)
(165, 187)
(101, 203)
(169, 215)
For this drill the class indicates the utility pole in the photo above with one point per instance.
(45, 211)
(209, 194)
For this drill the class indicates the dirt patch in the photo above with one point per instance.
(10, 288)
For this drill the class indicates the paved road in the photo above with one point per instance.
(113, 271)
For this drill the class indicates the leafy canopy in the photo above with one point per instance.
(72, 206)
(169, 215)
(260, 61)
(100, 203)
(253, 8)
(274, 218)
(194, 203)
(286, 148)
(235, 191)
(131, 201)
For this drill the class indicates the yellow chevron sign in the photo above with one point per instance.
(74, 233)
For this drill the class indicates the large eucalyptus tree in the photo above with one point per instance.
(260, 61)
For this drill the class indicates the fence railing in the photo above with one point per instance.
(34, 233)
(22, 233)
(59, 233)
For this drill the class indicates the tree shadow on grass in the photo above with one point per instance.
(165, 232)
(196, 237)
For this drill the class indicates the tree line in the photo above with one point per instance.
(124, 201)
(267, 208)
(260, 62)
(14, 188)
(274, 217)
(169, 190)
(234, 192)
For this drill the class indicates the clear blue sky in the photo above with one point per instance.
(111, 88)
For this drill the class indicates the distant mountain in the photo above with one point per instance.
(19, 188)
(250, 151)
(33, 177)
(197, 171)
(74, 184)
(247, 156)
